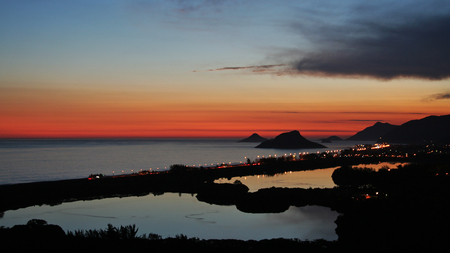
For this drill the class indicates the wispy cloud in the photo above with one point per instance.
(438, 96)
(350, 112)
(365, 120)
(257, 69)
(188, 6)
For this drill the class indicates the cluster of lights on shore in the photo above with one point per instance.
(290, 156)
(375, 146)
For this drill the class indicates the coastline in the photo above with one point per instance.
(391, 206)
(195, 181)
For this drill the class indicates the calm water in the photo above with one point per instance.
(42, 160)
(169, 214)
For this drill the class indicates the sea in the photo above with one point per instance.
(170, 214)
(32, 160)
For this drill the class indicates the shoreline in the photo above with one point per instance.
(193, 181)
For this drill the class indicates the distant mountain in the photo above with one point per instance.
(331, 139)
(326, 140)
(430, 129)
(254, 138)
(372, 133)
(290, 140)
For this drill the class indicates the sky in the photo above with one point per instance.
(210, 68)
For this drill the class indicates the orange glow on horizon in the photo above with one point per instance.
(206, 124)
(40, 113)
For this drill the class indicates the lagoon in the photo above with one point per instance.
(171, 214)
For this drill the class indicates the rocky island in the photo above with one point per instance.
(254, 138)
(290, 140)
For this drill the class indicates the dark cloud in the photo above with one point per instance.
(442, 96)
(353, 39)
(408, 41)
(416, 49)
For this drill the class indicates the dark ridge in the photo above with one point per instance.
(290, 140)
(430, 129)
(373, 133)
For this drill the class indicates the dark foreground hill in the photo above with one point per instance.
(254, 138)
(290, 140)
(435, 129)
(373, 133)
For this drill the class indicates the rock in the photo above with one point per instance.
(290, 140)
(254, 138)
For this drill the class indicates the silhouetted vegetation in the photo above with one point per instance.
(178, 168)
(347, 176)
(110, 233)
(125, 239)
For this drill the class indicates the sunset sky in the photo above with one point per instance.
(174, 68)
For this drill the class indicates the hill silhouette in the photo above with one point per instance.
(372, 133)
(334, 138)
(289, 140)
(429, 129)
(254, 138)
(331, 139)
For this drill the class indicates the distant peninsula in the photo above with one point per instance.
(290, 140)
(254, 138)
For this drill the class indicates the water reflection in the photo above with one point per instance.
(320, 178)
(171, 214)
(307, 222)
(380, 165)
